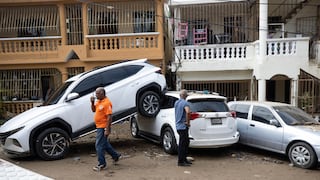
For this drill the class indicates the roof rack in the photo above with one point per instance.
(203, 92)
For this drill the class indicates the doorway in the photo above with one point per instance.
(278, 89)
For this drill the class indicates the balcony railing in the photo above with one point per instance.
(240, 55)
(29, 44)
(214, 52)
(123, 41)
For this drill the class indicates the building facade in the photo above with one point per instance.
(247, 50)
(44, 42)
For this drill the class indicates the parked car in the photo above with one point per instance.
(47, 130)
(212, 124)
(280, 128)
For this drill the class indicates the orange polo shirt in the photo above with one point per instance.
(103, 108)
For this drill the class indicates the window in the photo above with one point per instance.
(144, 22)
(119, 17)
(108, 23)
(208, 105)
(168, 102)
(29, 21)
(88, 85)
(132, 69)
(242, 110)
(262, 114)
(113, 75)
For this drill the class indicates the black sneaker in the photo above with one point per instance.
(99, 167)
(183, 164)
(188, 162)
(115, 160)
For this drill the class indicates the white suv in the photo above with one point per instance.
(47, 130)
(212, 124)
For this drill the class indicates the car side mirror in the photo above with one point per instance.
(72, 96)
(274, 122)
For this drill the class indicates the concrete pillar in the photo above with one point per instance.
(261, 90)
(63, 26)
(85, 23)
(263, 30)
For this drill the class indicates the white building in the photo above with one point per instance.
(253, 49)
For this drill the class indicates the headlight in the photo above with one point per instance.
(4, 136)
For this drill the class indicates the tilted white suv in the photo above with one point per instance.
(212, 124)
(47, 130)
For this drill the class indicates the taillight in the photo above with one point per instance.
(233, 114)
(194, 115)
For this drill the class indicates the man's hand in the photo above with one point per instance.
(106, 132)
(92, 98)
(187, 124)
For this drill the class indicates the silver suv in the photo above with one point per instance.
(47, 130)
(212, 124)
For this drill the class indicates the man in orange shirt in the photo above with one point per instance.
(102, 118)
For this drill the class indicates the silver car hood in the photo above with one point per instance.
(25, 117)
(309, 128)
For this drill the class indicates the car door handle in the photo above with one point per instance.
(252, 125)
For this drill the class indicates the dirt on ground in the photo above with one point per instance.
(144, 160)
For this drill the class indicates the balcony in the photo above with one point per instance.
(240, 56)
(28, 50)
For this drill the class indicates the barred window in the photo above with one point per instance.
(30, 21)
(121, 17)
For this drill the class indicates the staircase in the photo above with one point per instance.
(288, 9)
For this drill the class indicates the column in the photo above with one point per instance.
(85, 23)
(62, 24)
(263, 30)
(261, 90)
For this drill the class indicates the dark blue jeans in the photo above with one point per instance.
(183, 145)
(102, 145)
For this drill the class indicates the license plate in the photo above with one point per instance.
(215, 121)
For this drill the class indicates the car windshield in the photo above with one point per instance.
(54, 98)
(294, 116)
(208, 105)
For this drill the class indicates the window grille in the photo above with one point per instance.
(121, 17)
(72, 71)
(230, 89)
(30, 21)
(26, 84)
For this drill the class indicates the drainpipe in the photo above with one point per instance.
(294, 92)
(263, 33)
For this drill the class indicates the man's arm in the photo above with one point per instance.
(187, 109)
(107, 130)
(93, 107)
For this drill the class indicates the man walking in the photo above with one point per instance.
(182, 111)
(102, 118)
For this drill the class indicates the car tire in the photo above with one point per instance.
(52, 144)
(134, 128)
(302, 155)
(149, 104)
(169, 142)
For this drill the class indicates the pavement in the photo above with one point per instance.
(9, 171)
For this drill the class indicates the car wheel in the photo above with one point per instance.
(149, 104)
(169, 142)
(52, 144)
(302, 155)
(134, 128)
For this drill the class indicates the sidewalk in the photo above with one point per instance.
(9, 171)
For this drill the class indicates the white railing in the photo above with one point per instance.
(214, 52)
(242, 51)
(286, 47)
